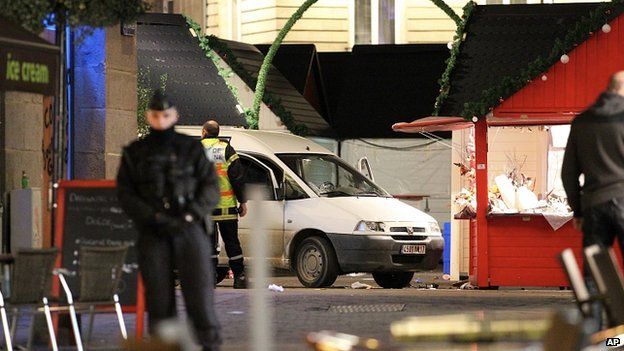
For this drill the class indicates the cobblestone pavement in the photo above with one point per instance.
(298, 311)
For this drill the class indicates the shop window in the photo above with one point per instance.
(374, 22)
(363, 23)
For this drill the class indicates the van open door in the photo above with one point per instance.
(257, 172)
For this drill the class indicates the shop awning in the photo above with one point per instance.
(167, 51)
(291, 100)
(531, 120)
(446, 124)
(432, 124)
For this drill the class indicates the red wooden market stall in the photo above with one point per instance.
(522, 249)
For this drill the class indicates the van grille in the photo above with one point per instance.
(405, 229)
(409, 237)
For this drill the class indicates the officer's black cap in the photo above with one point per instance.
(160, 101)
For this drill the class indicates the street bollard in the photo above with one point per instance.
(261, 312)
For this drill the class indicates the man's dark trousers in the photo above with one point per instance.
(229, 235)
(602, 225)
(186, 250)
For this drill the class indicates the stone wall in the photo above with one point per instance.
(105, 102)
(23, 133)
(121, 97)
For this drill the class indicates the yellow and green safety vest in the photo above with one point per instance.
(215, 151)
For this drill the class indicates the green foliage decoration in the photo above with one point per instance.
(445, 80)
(508, 85)
(145, 91)
(35, 14)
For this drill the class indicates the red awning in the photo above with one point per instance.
(445, 124)
(432, 124)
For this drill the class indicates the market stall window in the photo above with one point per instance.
(524, 173)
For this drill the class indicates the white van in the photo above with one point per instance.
(324, 218)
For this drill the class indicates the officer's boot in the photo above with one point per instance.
(240, 281)
(238, 267)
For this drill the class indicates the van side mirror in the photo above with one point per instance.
(280, 192)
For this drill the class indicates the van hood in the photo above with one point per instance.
(377, 209)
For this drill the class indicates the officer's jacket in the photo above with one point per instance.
(168, 175)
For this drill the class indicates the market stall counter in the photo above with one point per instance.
(522, 250)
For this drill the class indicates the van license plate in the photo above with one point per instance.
(413, 249)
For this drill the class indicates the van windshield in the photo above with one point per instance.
(330, 176)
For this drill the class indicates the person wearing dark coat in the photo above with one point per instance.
(595, 150)
(168, 187)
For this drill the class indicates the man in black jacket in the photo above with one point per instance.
(596, 150)
(167, 186)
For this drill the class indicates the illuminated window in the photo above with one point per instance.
(374, 22)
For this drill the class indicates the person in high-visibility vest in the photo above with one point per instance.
(225, 216)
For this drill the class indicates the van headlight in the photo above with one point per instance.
(434, 227)
(370, 226)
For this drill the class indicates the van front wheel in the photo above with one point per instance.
(316, 263)
(393, 280)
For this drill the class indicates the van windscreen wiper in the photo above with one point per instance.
(334, 193)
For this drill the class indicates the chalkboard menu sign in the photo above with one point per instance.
(88, 214)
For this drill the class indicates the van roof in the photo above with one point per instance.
(262, 141)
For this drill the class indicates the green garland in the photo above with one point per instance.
(272, 102)
(494, 95)
(268, 58)
(445, 80)
(448, 10)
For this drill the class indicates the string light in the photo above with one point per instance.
(565, 58)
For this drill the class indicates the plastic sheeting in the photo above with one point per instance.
(408, 166)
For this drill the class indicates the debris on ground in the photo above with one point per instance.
(355, 274)
(235, 312)
(432, 286)
(358, 285)
(446, 277)
(276, 288)
(458, 284)
(466, 286)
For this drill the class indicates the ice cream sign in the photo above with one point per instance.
(33, 72)
(28, 70)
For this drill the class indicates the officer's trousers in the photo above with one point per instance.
(229, 234)
(187, 251)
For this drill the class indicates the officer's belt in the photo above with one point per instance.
(225, 213)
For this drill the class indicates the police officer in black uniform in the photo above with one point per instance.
(168, 188)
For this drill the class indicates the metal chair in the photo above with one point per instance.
(30, 286)
(99, 273)
(583, 297)
(609, 280)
